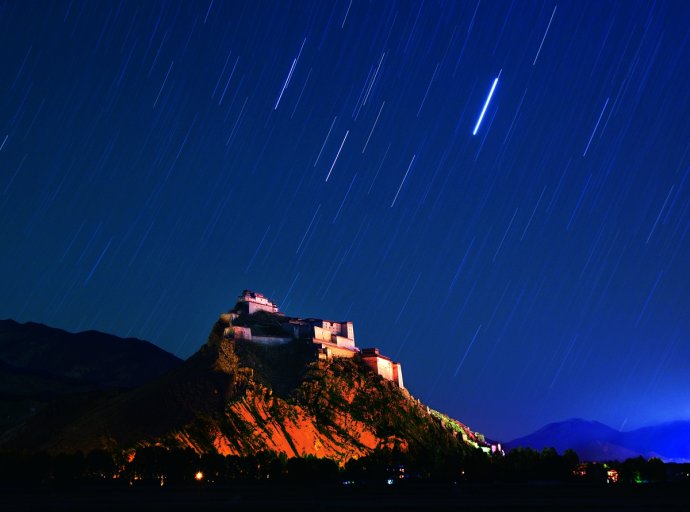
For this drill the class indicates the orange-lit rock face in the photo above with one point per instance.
(184, 441)
(339, 411)
(278, 426)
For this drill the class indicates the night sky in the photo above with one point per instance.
(156, 158)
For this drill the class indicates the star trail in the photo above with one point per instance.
(521, 244)
(486, 104)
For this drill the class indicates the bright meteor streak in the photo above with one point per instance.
(488, 99)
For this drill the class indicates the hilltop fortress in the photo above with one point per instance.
(331, 339)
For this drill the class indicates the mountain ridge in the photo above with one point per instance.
(101, 358)
(597, 442)
(42, 366)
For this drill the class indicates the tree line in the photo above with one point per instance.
(161, 466)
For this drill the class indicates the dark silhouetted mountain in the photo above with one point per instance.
(668, 441)
(594, 441)
(88, 357)
(239, 397)
(40, 365)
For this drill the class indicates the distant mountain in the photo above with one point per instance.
(89, 357)
(669, 441)
(41, 365)
(239, 397)
(594, 441)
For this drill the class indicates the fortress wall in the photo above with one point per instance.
(333, 327)
(381, 366)
(270, 340)
(343, 329)
(291, 329)
(349, 329)
(339, 352)
(238, 333)
(385, 368)
(397, 375)
(253, 307)
(371, 363)
(345, 342)
(322, 334)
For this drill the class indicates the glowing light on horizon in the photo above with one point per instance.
(486, 104)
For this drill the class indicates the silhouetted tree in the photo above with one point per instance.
(654, 470)
(68, 466)
(99, 464)
(569, 462)
(312, 469)
(632, 470)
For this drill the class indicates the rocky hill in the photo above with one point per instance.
(239, 397)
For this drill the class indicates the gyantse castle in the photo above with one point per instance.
(331, 339)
